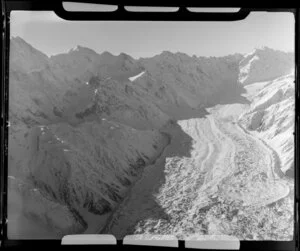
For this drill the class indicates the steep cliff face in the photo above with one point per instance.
(84, 125)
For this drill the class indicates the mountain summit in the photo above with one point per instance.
(265, 64)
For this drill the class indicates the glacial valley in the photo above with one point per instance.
(170, 144)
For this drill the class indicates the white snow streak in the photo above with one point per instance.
(136, 76)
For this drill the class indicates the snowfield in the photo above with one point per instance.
(170, 145)
(265, 64)
(136, 76)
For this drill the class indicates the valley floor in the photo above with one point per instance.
(213, 178)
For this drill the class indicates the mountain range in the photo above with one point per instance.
(84, 126)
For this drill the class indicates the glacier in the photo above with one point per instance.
(170, 144)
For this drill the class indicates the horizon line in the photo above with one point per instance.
(163, 51)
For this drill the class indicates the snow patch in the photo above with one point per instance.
(245, 70)
(136, 76)
(76, 48)
(59, 139)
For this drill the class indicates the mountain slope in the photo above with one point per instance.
(83, 125)
(271, 116)
(265, 64)
(49, 98)
(190, 81)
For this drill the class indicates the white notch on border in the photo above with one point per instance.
(88, 7)
(150, 9)
(213, 10)
(218, 242)
(151, 240)
(89, 239)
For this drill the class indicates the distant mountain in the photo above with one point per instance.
(83, 63)
(265, 64)
(190, 81)
(83, 125)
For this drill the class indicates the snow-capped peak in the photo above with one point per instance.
(248, 54)
(76, 48)
(264, 64)
(82, 49)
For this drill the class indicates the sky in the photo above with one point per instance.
(52, 35)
